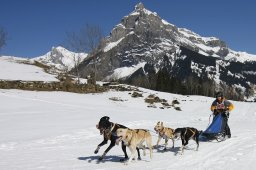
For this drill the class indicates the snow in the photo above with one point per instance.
(65, 59)
(120, 25)
(12, 68)
(149, 12)
(56, 130)
(135, 13)
(166, 23)
(195, 68)
(241, 56)
(112, 45)
(207, 48)
(125, 71)
(204, 48)
(217, 76)
(249, 72)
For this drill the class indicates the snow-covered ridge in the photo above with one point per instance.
(14, 68)
(61, 58)
(124, 71)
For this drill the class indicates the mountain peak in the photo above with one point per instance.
(143, 46)
(139, 6)
(61, 58)
(139, 9)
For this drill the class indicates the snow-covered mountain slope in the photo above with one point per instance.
(61, 58)
(56, 130)
(14, 68)
(212, 46)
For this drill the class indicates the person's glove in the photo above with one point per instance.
(227, 108)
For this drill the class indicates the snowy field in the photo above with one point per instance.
(12, 68)
(56, 131)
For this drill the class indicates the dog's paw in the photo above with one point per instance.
(100, 158)
(123, 159)
(155, 146)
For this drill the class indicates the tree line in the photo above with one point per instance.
(191, 85)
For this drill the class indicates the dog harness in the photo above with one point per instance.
(162, 133)
(193, 133)
(108, 133)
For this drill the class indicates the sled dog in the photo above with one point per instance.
(164, 132)
(186, 134)
(134, 138)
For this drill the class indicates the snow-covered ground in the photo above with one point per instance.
(12, 68)
(56, 130)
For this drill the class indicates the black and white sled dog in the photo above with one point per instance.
(186, 134)
(108, 130)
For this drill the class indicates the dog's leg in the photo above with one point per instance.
(106, 151)
(138, 152)
(143, 147)
(133, 154)
(149, 144)
(197, 142)
(105, 141)
(172, 143)
(182, 146)
(125, 153)
(159, 139)
(184, 143)
(165, 144)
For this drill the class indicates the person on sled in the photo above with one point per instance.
(222, 106)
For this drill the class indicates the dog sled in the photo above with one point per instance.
(215, 131)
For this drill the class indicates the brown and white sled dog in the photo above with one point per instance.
(186, 134)
(164, 132)
(135, 138)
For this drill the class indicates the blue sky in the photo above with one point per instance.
(34, 26)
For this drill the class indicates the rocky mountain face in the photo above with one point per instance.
(145, 50)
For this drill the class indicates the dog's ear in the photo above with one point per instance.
(162, 123)
(105, 118)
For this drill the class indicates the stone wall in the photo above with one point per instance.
(51, 86)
